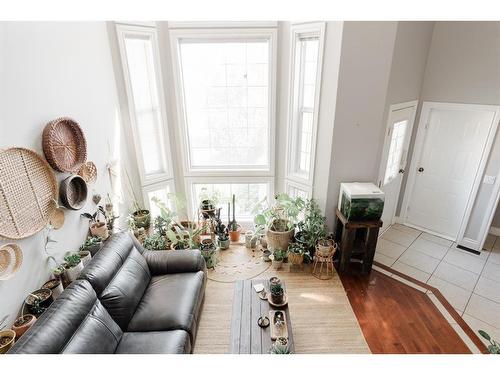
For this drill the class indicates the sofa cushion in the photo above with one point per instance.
(120, 275)
(170, 302)
(75, 322)
(166, 342)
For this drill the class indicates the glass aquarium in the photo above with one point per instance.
(359, 201)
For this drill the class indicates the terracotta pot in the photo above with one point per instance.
(7, 339)
(99, 229)
(72, 273)
(23, 323)
(56, 286)
(235, 235)
(85, 256)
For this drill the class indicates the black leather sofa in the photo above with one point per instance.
(126, 300)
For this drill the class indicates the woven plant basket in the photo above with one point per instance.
(11, 258)
(64, 144)
(279, 240)
(28, 190)
(88, 171)
(73, 192)
(297, 259)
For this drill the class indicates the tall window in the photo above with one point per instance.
(225, 83)
(306, 61)
(139, 55)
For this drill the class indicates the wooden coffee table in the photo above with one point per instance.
(246, 335)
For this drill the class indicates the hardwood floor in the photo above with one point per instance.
(396, 318)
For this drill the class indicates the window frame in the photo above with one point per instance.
(298, 31)
(158, 186)
(147, 180)
(218, 35)
(191, 181)
(292, 184)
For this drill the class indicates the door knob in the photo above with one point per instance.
(401, 171)
(420, 169)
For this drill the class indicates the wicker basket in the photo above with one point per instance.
(11, 258)
(88, 171)
(279, 240)
(296, 259)
(64, 144)
(28, 190)
(73, 192)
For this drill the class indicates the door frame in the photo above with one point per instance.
(387, 142)
(427, 107)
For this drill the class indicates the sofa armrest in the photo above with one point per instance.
(174, 261)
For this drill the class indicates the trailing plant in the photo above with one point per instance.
(313, 227)
(282, 216)
(494, 346)
(155, 242)
(72, 260)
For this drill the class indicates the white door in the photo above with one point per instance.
(451, 144)
(398, 134)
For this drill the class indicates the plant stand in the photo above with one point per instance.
(358, 240)
(323, 265)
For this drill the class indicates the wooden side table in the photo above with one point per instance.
(347, 234)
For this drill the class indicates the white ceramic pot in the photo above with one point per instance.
(72, 273)
(85, 257)
(277, 264)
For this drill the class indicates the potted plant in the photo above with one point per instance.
(92, 244)
(73, 266)
(185, 236)
(250, 239)
(222, 234)
(326, 247)
(494, 346)
(23, 323)
(209, 251)
(296, 253)
(209, 202)
(277, 257)
(234, 227)
(7, 339)
(140, 216)
(312, 228)
(97, 227)
(109, 213)
(156, 241)
(38, 301)
(277, 293)
(60, 274)
(278, 221)
(55, 286)
(85, 256)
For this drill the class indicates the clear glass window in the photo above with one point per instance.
(226, 101)
(396, 149)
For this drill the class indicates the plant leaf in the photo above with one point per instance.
(484, 334)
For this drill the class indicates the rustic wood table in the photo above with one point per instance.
(247, 337)
(351, 245)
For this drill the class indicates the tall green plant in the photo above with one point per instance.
(313, 227)
(282, 216)
(494, 347)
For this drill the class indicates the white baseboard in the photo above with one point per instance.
(398, 220)
(495, 231)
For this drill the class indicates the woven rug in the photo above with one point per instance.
(238, 263)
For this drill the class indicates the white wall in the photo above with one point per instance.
(49, 70)
(464, 67)
(365, 66)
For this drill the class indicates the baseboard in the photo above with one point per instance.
(494, 231)
(398, 220)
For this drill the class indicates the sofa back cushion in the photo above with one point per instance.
(75, 323)
(119, 274)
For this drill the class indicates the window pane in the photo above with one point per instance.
(226, 94)
(305, 76)
(139, 53)
(395, 151)
(163, 195)
(247, 196)
(295, 192)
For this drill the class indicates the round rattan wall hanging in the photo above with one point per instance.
(28, 191)
(64, 144)
(73, 192)
(11, 258)
(88, 171)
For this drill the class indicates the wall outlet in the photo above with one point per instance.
(489, 180)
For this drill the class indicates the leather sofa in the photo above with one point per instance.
(126, 300)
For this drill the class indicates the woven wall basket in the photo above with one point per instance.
(28, 190)
(73, 192)
(11, 258)
(88, 171)
(64, 144)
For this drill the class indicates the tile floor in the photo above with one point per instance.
(471, 283)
